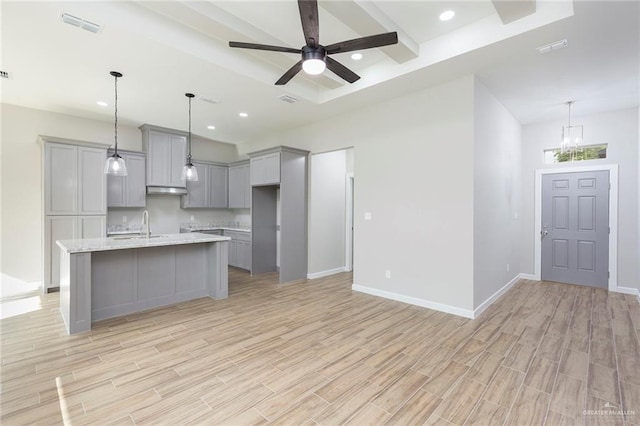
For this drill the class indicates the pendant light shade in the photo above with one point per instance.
(115, 165)
(189, 171)
(571, 135)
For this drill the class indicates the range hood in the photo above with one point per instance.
(166, 190)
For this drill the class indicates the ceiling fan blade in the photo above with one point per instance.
(362, 43)
(289, 74)
(341, 71)
(263, 47)
(309, 18)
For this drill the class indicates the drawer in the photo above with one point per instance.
(243, 236)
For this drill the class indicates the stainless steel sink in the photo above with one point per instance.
(136, 237)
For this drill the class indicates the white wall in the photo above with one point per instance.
(327, 208)
(21, 176)
(414, 166)
(496, 195)
(619, 129)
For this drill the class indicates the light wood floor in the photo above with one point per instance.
(316, 352)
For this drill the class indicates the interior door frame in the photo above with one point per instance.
(613, 217)
(348, 247)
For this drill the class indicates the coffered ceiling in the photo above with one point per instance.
(167, 48)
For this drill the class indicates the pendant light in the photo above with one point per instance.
(115, 165)
(571, 135)
(189, 171)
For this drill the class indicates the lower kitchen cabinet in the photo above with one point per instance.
(239, 249)
(67, 228)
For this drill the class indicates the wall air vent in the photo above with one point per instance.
(79, 22)
(288, 99)
(556, 45)
(209, 100)
(5, 74)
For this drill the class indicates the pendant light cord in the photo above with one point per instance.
(116, 120)
(189, 156)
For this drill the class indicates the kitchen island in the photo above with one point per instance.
(108, 277)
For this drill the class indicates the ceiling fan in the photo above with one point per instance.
(315, 57)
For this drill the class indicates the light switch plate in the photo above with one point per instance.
(367, 215)
(124, 219)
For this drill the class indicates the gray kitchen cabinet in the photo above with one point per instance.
(67, 228)
(265, 169)
(218, 186)
(166, 154)
(92, 182)
(283, 248)
(211, 188)
(74, 179)
(239, 249)
(239, 186)
(75, 197)
(130, 190)
(198, 191)
(91, 226)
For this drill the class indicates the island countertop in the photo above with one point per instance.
(122, 243)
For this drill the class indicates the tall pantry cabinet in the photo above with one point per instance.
(75, 198)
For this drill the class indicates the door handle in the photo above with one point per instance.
(544, 231)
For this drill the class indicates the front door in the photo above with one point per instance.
(575, 228)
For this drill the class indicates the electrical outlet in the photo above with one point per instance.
(387, 274)
(193, 218)
(508, 267)
(367, 215)
(124, 219)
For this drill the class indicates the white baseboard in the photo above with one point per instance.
(495, 296)
(414, 301)
(627, 290)
(529, 277)
(314, 275)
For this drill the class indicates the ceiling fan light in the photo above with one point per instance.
(314, 66)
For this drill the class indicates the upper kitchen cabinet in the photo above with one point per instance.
(75, 183)
(166, 153)
(210, 190)
(129, 190)
(239, 185)
(265, 168)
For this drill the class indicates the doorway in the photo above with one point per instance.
(576, 225)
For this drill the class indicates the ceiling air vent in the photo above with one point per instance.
(556, 45)
(79, 22)
(4, 74)
(209, 100)
(288, 99)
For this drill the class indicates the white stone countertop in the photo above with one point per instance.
(196, 228)
(123, 243)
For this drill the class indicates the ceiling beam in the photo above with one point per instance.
(512, 10)
(365, 18)
(213, 21)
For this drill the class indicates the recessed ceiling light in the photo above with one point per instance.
(243, 115)
(447, 14)
(356, 56)
(211, 127)
(102, 104)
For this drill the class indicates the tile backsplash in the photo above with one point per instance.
(165, 215)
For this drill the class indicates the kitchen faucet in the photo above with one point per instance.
(145, 223)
